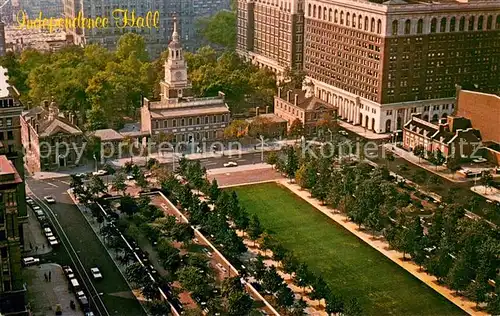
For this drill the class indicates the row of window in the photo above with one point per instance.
(8, 122)
(345, 18)
(191, 121)
(451, 26)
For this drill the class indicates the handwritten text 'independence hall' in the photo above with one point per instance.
(119, 18)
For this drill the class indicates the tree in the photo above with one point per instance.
(436, 158)
(486, 180)
(353, 308)
(254, 228)
(169, 255)
(193, 279)
(477, 290)
(239, 303)
(150, 291)
(334, 304)
(118, 184)
(159, 308)
(284, 296)
(137, 274)
(214, 191)
(96, 185)
(272, 158)
(271, 280)
(290, 263)
(453, 164)
(151, 163)
(302, 276)
(419, 151)
(220, 29)
(301, 176)
(291, 162)
(131, 44)
(460, 273)
(128, 205)
(320, 289)
(327, 124)
(237, 129)
(296, 129)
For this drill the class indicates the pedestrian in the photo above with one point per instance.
(45, 276)
(50, 276)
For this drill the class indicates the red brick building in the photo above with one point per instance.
(452, 136)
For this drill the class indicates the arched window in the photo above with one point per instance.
(453, 23)
(372, 26)
(314, 11)
(330, 15)
(471, 23)
(360, 22)
(336, 16)
(353, 20)
(395, 25)
(309, 10)
(319, 12)
(407, 26)
(442, 27)
(489, 22)
(461, 25)
(366, 23)
(379, 26)
(497, 26)
(348, 19)
(480, 22)
(433, 25)
(341, 17)
(420, 26)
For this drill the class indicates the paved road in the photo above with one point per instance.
(85, 251)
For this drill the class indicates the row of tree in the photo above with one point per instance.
(463, 253)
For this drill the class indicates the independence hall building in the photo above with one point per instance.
(380, 62)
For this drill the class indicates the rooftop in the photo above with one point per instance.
(306, 103)
(269, 116)
(8, 174)
(107, 135)
(48, 127)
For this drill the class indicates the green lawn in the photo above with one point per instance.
(348, 264)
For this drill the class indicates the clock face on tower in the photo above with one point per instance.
(178, 75)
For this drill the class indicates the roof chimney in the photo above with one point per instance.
(288, 94)
(296, 101)
(257, 111)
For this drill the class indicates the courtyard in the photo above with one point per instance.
(350, 266)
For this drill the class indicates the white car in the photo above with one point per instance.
(53, 241)
(47, 230)
(96, 273)
(39, 213)
(100, 173)
(81, 175)
(49, 199)
(49, 234)
(230, 164)
(29, 200)
(36, 208)
(29, 261)
(130, 177)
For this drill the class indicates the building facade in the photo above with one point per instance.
(48, 8)
(188, 12)
(453, 136)
(299, 105)
(178, 116)
(271, 33)
(51, 141)
(14, 217)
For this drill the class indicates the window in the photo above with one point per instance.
(197, 121)
(480, 23)
(433, 25)
(314, 11)
(174, 123)
(366, 23)
(420, 26)
(9, 121)
(348, 19)
(489, 22)
(452, 24)
(10, 135)
(461, 25)
(182, 122)
(471, 23)
(379, 26)
(372, 26)
(407, 26)
(336, 16)
(442, 27)
(497, 26)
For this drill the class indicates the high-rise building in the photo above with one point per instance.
(3, 41)
(270, 33)
(13, 215)
(381, 62)
(188, 12)
(48, 8)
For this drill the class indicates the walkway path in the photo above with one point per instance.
(490, 193)
(45, 296)
(361, 131)
(35, 242)
(383, 247)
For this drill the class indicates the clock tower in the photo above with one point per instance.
(175, 83)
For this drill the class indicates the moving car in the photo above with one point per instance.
(96, 273)
(230, 164)
(35, 208)
(49, 199)
(29, 261)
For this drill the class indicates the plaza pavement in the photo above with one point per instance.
(492, 194)
(383, 247)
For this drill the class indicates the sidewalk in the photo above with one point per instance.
(35, 242)
(45, 296)
(383, 247)
(62, 173)
(489, 194)
(363, 132)
(257, 166)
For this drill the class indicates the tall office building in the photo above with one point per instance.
(381, 62)
(13, 215)
(187, 11)
(48, 8)
(270, 33)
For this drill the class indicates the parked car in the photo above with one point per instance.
(100, 173)
(39, 213)
(29, 201)
(96, 274)
(35, 207)
(47, 230)
(81, 175)
(130, 177)
(29, 261)
(49, 199)
(231, 164)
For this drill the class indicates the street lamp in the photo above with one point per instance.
(261, 148)
(95, 158)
